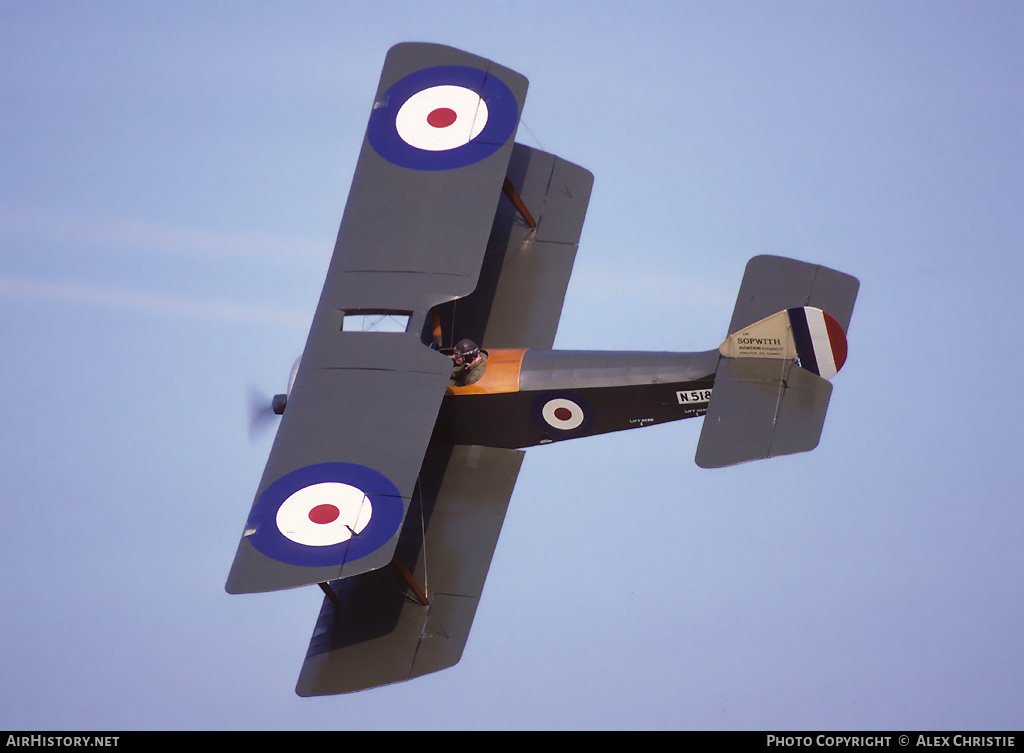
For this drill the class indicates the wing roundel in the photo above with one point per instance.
(443, 117)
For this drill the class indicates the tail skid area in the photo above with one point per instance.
(787, 337)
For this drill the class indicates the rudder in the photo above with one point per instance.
(786, 337)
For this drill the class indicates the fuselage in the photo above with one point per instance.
(531, 397)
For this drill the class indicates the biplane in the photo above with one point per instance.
(388, 479)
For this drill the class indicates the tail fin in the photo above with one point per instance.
(787, 337)
(805, 334)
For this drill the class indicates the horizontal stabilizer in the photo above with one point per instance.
(769, 396)
(761, 408)
(773, 283)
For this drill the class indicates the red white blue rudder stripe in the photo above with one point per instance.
(808, 335)
(819, 339)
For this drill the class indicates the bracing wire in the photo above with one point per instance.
(423, 538)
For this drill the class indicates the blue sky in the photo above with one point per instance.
(171, 180)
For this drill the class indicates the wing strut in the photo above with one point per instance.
(421, 594)
(418, 591)
(509, 190)
(330, 594)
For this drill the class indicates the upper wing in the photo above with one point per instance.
(352, 439)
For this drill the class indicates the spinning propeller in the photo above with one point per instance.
(262, 410)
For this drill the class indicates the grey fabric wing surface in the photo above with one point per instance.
(381, 634)
(518, 301)
(359, 417)
(365, 427)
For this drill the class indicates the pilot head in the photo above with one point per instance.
(466, 351)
